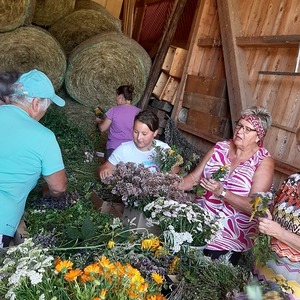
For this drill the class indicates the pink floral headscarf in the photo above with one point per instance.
(256, 123)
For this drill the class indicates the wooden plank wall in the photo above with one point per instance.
(280, 94)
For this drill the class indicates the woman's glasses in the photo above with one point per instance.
(246, 129)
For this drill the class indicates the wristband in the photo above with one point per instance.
(222, 195)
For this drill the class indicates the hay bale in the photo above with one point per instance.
(15, 14)
(26, 48)
(101, 64)
(47, 12)
(81, 25)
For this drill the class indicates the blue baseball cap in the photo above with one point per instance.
(36, 84)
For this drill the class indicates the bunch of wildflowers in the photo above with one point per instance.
(218, 175)
(167, 158)
(260, 202)
(138, 186)
(188, 217)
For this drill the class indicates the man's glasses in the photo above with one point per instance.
(246, 129)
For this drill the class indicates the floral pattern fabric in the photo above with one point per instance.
(238, 230)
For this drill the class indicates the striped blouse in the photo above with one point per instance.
(237, 232)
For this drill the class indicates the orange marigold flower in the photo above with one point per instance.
(105, 263)
(57, 261)
(157, 278)
(73, 274)
(63, 266)
(84, 278)
(92, 269)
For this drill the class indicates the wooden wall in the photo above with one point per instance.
(253, 45)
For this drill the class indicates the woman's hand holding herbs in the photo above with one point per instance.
(268, 226)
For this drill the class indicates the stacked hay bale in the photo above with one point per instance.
(32, 47)
(83, 44)
(47, 12)
(101, 64)
(15, 14)
(80, 25)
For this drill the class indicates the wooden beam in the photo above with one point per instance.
(279, 73)
(291, 41)
(209, 42)
(166, 40)
(239, 92)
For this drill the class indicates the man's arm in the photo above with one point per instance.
(57, 183)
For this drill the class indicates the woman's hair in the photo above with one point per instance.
(7, 79)
(262, 114)
(126, 90)
(149, 118)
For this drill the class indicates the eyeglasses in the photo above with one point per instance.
(246, 129)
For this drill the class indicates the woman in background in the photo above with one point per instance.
(119, 119)
(250, 170)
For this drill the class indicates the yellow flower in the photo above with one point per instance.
(63, 266)
(73, 274)
(174, 265)
(171, 152)
(254, 205)
(110, 244)
(151, 244)
(103, 293)
(157, 278)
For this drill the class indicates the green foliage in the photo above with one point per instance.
(207, 279)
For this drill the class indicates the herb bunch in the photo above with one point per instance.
(167, 158)
(137, 186)
(218, 175)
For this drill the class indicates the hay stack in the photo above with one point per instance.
(82, 24)
(101, 64)
(31, 47)
(47, 12)
(15, 14)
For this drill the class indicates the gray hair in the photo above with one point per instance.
(261, 113)
(26, 101)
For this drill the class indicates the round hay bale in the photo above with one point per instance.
(47, 12)
(101, 64)
(82, 24)
(32, 47)
(15, 14)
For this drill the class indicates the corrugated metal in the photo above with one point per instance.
(155, 20)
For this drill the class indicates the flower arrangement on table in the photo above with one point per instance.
(260, 203)
(218, 175)
(28, 270)
(138, 186)
(182, 223)
(167, 158)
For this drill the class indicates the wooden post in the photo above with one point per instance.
(166, 40)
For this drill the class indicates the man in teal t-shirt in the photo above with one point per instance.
(29, 149)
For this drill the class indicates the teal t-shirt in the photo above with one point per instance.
(28, 150)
